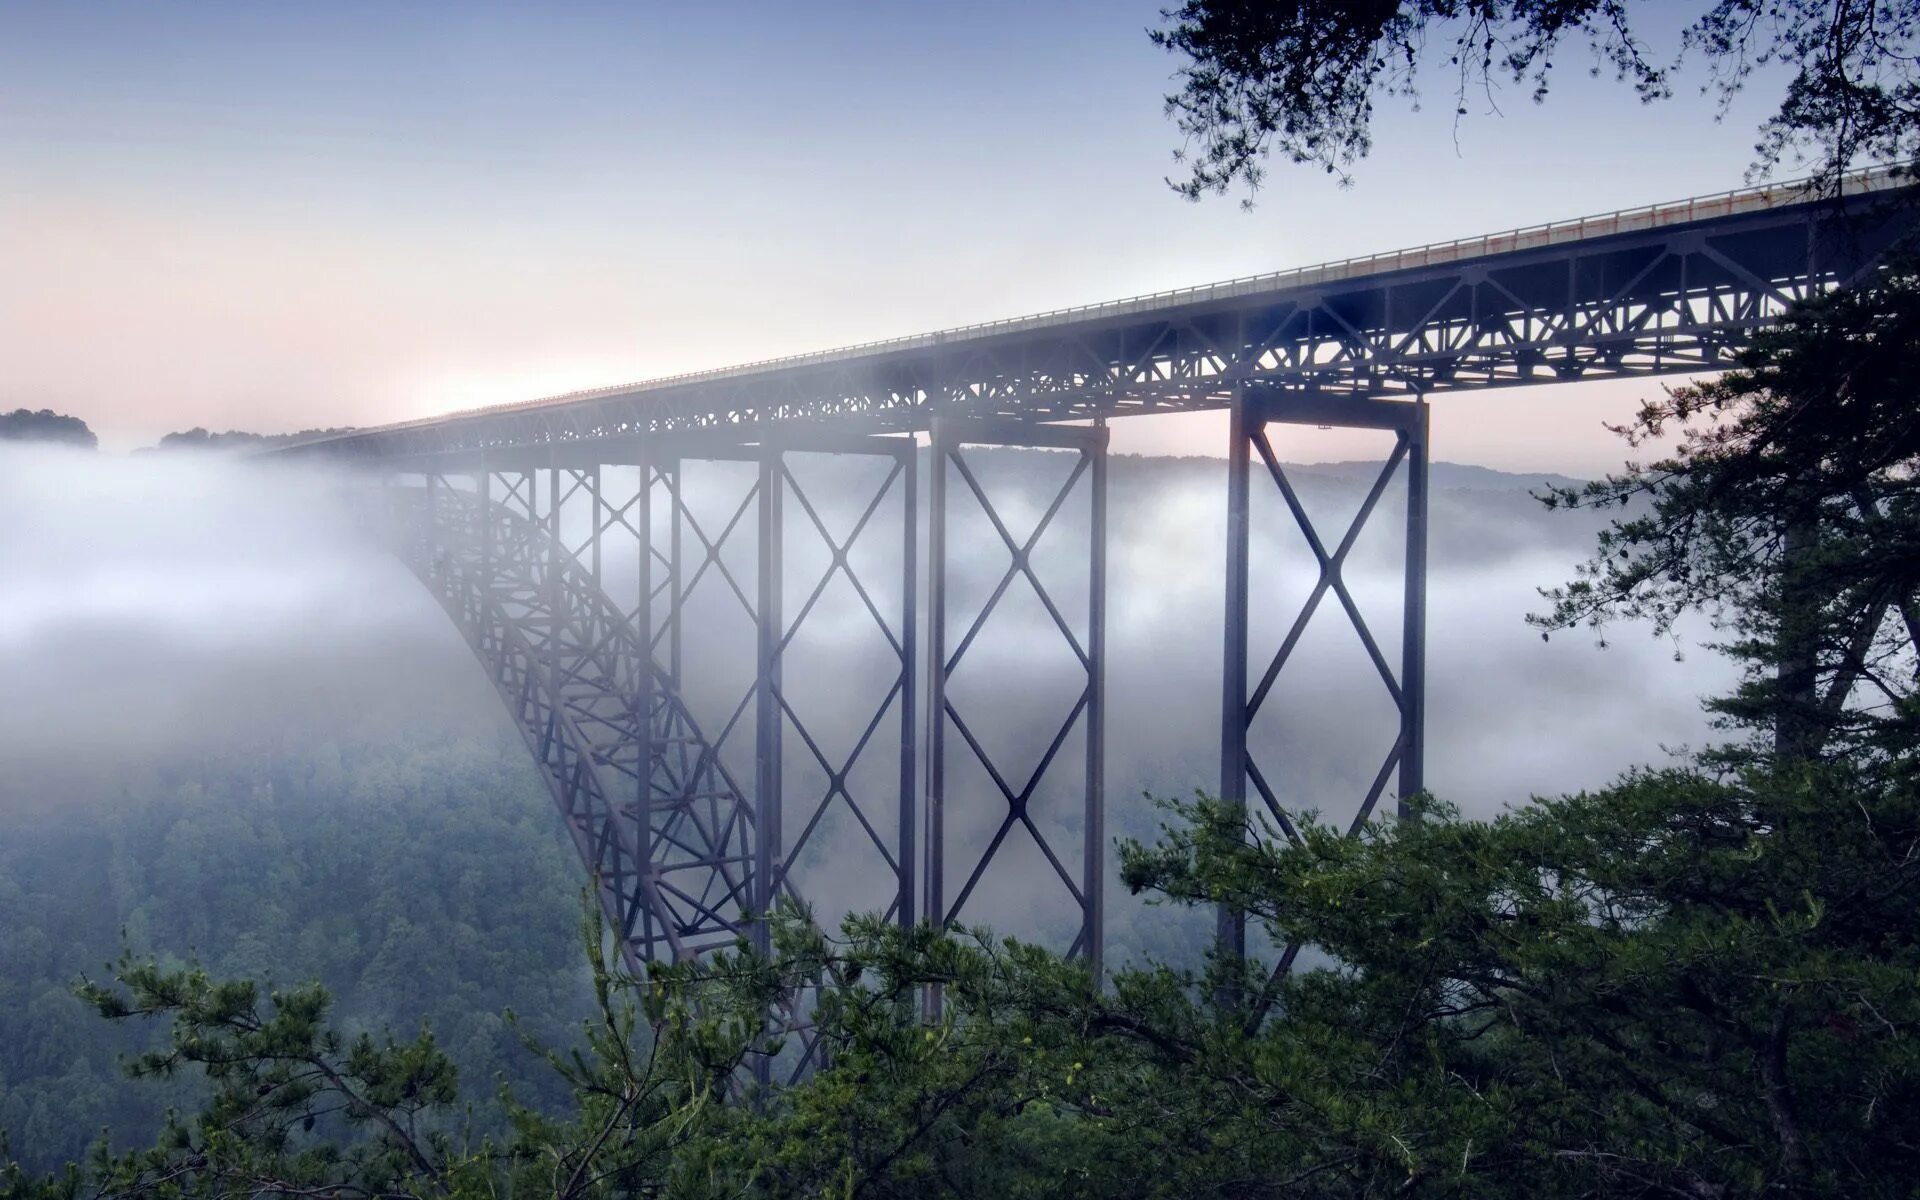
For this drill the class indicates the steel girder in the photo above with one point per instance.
(1671, 298)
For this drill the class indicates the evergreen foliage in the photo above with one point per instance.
(418, 883)
(1788, 514)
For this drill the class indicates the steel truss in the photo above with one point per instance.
(686, 846)
(1089, 445)
(1646, 300)
(661, 828)
(684, 856)
(1253, 410)
(775, 496)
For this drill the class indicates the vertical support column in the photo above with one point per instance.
(1413, 640)
(1231, 923)
(431, 527)
(910, 639)
(553, 580)
(676, 568)
(770, 625)
(936, 821)
(483, 513)
(768, 763)
(596, 523)
(1093, 863)
(701, 850)
(645, 686)
(1252, 414)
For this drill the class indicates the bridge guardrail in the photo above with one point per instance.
(1729, 203)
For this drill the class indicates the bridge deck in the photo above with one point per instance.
(1629, 287)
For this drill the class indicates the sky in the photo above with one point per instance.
(274, 216)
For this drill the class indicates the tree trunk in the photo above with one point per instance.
(1797, 651)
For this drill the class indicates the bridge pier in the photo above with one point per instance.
(786, 517)
(1254, 408)
(950, 437)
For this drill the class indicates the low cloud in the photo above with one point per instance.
(169, 605)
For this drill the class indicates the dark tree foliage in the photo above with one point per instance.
(45, 425)
(1789, 513)
(417, 881)
(1677, 986)
(1299, 78)
(293, 1106)
(1673, 987)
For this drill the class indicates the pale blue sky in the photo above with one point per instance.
(276, 215)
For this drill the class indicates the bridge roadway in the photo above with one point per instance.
(1665, 288)
(510, 518)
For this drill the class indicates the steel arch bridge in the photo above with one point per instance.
(514, 515)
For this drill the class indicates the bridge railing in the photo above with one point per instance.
(1733, 202)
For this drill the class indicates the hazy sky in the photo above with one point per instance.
(278, 215)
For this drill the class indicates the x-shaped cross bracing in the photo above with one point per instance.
(1087, 712)
(1254, 409)
(772, 705)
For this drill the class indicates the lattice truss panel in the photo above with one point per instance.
(661, 827)
(792, 555)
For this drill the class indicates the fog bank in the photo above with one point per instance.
(167, 605)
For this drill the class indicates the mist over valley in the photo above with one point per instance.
(237, 730)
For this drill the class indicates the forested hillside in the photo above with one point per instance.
(421, 881)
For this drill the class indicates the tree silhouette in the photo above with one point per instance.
(26, 425)
(1299, 79)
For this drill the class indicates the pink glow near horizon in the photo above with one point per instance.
(241, 218)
